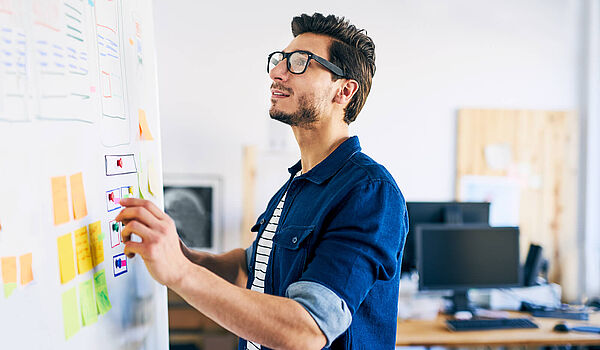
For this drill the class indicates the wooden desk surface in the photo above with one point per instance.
(435, 333)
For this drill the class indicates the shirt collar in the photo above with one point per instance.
(330, 165)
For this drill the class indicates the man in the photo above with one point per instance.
(324, 269)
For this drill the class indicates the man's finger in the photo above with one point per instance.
(132, 248)
(140, 214)
(136, 202)
(138, 228)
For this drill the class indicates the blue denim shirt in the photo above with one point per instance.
(343, 226)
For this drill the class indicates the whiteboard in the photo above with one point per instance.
(79, 129)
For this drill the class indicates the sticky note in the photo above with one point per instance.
(70, 312)
(152, 178)
(139, 176)
(9, 275)
(9, 288)
(102, 300)
(89, 310)
(9, 269)
(25, 261)
(82, 247)
(78, 196)
(144, 128)
(60, 200)
(66, 258)
(96, 237)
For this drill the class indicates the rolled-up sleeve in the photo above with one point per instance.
(329, 311)
(361, 242)
(249, 253)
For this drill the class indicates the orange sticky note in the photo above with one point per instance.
(60, 200)
(145, 133)
(26, 269)
(9, 269)
(96, 243)
(66, 258)
(78, 196)
(82, 247)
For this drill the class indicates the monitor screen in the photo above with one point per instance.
(439, 213)
(460, 257)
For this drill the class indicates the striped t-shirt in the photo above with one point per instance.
(263, 252)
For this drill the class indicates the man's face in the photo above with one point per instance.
(301, 99)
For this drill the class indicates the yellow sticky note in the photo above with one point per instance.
(71, 317)
(82, 247)
(78, 196)
(96, 243)
(145, 133)
(25, 261)
(102, 300)
(60, 200)
(9, 269)
(9, 275)
(89, 310)
(66, 258)
(152, 178)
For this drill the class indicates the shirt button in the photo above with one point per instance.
(262, 221)
(294, 240)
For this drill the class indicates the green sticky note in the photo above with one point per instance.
(102, 300)
(70, 315)
(89, 311)
(9, 288)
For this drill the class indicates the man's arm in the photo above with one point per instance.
(230, 266)
(275, 322)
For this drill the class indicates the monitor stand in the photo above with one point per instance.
(460, 302)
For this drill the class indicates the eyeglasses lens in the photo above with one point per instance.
(298, 61)
(274, 60)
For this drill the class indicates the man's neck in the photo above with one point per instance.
(318, 142)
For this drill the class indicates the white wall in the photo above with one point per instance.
(433, 57)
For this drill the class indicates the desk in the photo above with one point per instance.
(435, 333)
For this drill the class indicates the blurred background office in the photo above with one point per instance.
(472, 101)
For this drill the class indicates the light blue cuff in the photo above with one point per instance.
(249, 253)
(329, 311)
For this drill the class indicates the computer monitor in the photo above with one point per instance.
(461, 257)
(439, 213)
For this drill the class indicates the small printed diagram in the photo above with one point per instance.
(115, 130)
(13, 64)
(114, 228)
(113, 197)
(119, 264)
(120, 164)
(10, 265)
(60, 42)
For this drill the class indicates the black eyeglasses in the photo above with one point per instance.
(297, 62)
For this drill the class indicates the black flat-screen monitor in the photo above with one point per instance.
(439, 213)
(461, 257)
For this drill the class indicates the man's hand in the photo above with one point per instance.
(159, 247)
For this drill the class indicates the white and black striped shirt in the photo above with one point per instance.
(263, 252)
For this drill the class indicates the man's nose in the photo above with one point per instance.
(280, 71)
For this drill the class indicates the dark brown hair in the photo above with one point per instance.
(351, 50)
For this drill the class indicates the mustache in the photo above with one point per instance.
(278, 86)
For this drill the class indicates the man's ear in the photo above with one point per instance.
(346, 91)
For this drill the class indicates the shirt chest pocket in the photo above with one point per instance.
(289, 258)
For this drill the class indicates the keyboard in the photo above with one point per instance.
(488, 324)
